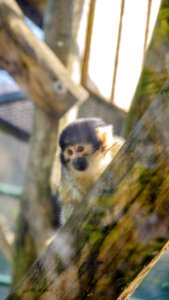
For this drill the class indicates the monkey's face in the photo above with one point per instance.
(84, 145)
(82, 165)
(77, 156)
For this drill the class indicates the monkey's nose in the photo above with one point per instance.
(80, 163)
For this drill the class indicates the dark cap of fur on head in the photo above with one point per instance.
(81, 131)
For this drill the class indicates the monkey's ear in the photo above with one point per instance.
(105, 134)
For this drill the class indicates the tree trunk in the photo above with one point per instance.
(116, 234)
(58, 27)
(39, 215)
(154, 72)
(62, 25)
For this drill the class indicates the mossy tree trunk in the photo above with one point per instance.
(154, 72)
(117, 233)
(38, 71)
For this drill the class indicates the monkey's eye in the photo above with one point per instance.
(80, 148)
(70, 151)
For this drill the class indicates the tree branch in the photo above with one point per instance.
(33, 65)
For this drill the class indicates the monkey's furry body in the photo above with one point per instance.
(85, 153)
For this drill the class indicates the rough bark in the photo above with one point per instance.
(155, 71)
(33, 65)
(116, 234)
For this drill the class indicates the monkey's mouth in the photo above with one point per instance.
(80, 164)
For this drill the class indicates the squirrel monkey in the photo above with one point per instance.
(86, 150)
